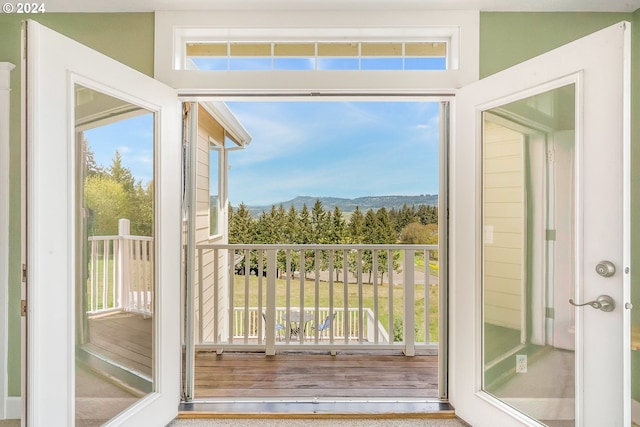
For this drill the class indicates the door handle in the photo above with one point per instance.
(603, 302)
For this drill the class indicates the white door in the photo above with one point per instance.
(539, 197)
(103, 244)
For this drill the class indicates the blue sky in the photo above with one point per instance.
(339, 149)
(132, 137)
(307, 148)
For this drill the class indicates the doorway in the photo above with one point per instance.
(345, 156)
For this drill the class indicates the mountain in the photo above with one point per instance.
(349, 205)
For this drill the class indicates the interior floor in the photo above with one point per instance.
(98, 399)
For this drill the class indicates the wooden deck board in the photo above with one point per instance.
(296, 374)
(125, 338)
(307, 375)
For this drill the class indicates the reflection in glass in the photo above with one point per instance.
(114, 255)
(528, 255)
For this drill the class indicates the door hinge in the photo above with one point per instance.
(549, 312)
(23, 308)
(550, 235)
(24, 273)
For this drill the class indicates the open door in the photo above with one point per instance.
(103, 239)
(539, 225)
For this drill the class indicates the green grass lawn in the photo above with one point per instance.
(338, 299)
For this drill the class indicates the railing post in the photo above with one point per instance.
(409, 304)
(124, 229)
(270, 324)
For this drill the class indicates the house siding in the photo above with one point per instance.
(504, 210)
(208, 129)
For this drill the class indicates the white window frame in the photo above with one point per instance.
(219, 150)
(458, 28)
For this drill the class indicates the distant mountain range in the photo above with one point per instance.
(349, 205)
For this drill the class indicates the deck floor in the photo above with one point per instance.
(290, 374)
(125, 338)
(308, 375)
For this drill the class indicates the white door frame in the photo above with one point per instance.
(465, 236)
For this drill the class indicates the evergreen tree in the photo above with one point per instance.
(290, 236)
(386, 234)
(291, 226)
(338, 228)
(305, 233)
(121, 174)
(356, 227)
(91, 166)
(427, 214)
(304, 237)
(318, 223)
(241, 226)
(141, 212)
(337, 236)
(406, 216)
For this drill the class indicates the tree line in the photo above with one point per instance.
(410, 225)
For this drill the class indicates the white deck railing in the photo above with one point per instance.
(391, 311)
(120, 270)
(255, 329)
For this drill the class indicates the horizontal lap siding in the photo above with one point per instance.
(208, 129)
(504, 214)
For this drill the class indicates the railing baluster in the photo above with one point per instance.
(145, 284)
(427, 296)
(247, 276)
(114, 277)
(360, 312)
(345, 281)
(231, 307)
(330, 315)
(94, 276)
(303, 273)
(316, 314)
(105, 273)
(390, 303)
(409, 304)
(259, 317)
(375, 297)
(271, 302)
(287, 316)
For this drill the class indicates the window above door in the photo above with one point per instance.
(328, 51)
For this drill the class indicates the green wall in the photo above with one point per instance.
(127, 37)
(510, 38)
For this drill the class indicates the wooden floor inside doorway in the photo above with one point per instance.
(308, 375)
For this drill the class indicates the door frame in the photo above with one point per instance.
(466, 317)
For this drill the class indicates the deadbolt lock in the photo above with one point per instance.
(606, 268)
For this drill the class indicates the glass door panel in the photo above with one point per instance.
(528, 259)
(115, 249)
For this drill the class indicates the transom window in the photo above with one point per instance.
(352, 55)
